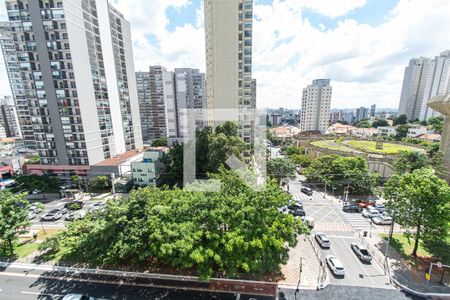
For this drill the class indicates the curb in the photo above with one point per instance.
(322, 262)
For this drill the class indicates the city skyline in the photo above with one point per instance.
(305, 43)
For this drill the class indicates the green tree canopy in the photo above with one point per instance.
(236, 230)
(43, 183)
(292, 150)
(400, 120)
(378, 123)
(160, 142)
(408, 161)
(341, 172)
(363, 124)
(13, 218)
(280, 168)
(420, 200)
(302, 160)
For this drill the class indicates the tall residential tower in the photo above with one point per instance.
(316, 102)
(424, 78)
(72, 76)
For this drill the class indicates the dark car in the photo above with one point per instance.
(307, 191)
(351, 208)
(74, 205)
(296, 210)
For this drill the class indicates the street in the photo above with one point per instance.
(340, 227)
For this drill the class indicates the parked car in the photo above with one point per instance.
(80, 297)
(361, 251)
(98, 206)
(379, 207)
(351, 208)
(366, 203)
(52, 215)
(370, 212)
(36, 191)
(306, 190)
(75, 216)
(309, 221)
(34, 209)
(335, 265)
(296, 210)
(74, 205)
(63, 210)
(322, 240)
(381, 220)
(31, 215)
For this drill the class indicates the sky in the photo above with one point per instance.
(363, 46)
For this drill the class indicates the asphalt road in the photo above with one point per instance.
(17, 285)
(340, 227)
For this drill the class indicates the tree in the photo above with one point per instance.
(228, 128)
(280, 168)
(420, 200)
(292, 150)
(302, 160)
(236, 230)
(400, 120)
(363, 124)
(13, 218)
(43, 183)
(276, 141)
(160, 142)
(378, 123)
(342, 172)
(402, 130)
(408, 161)
(436, 123)
(100, 183)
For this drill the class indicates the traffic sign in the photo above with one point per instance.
(439, 264)
(427, 276)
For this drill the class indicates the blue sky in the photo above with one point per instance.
(362, 45)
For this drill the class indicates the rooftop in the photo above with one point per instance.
(115, 161)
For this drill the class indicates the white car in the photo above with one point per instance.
(322, 240)
(382, 220)
(370, 213)
(80, 297)
(335, 265)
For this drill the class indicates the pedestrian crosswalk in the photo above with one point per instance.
(358, 222)
(305, 198)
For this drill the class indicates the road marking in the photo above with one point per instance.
(341, 236)
(41, 294)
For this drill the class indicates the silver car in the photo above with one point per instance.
(322, 240)
(361, 251)
(52, 215)
(335, 265)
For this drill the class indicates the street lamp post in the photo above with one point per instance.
(299, 274)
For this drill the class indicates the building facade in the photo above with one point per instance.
(424, 78)
(373, 110)
(146, 171)
(228, 32)
(361, 113)
(316, 102)
(8, 118)
(75, 61)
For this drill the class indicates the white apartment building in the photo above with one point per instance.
(416, 131)
(76, 92)
(316, 102)
(228, 32)
(387, 130)
(424, 78)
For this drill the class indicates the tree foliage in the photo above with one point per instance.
(276, 141)
(100, 184)
(341, 172)
(302, 160)
(280, 168)
(408, 161)
(378, 123)
(363, 124)
(400, 120)
(160, 142)
(43, 183)
(292, 150)
(236, 230)
(420, 200)
(13, 218)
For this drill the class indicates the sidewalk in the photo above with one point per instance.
(401, 271)
(310, 266)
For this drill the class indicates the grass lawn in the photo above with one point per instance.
(388, 148)
(21, 249)
(332, 145)
(400, 243)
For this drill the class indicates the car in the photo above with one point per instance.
(322, 240)
(296, 210)
(309, 221)
(98, 206)
(335, 265)
(366, 203)
(361, 251)
(75, 216)
(379, 207)
(74, 205)
(52, 215)
(306, 190)
(34, 209)
(36, 191)
(80, 297)
(370, 212)
(382, 220)
(31, 215)
(351, 208)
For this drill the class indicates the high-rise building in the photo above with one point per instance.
(8, 118)
(373, 110)
(316, 102)
(73, 81)
(164, 98)
(361, 113)
(336, 116)
(424, 78)
(228, 31)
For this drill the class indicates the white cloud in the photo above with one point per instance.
(328, 8)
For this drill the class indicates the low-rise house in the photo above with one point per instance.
(387, 130)
(146, 172)
(340, 129)
(415, 131)
(364, 132)
(430, 137)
